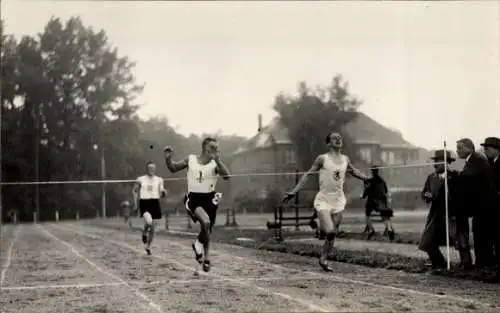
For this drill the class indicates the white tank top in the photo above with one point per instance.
(332, 175)
(151, 187)
(201, 178)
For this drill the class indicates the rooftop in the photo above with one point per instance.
(361, 128)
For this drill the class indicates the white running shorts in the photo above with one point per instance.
(331, 202)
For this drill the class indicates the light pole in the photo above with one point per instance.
(103, 177)
(37, 166)
(1, 164)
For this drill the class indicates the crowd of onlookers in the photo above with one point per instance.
(473, 199)
(473, 194)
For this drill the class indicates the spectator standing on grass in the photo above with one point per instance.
(491, 148)
(477, 198)
(377, 198)
(434, 234)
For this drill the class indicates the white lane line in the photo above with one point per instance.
(308, 304)
(73, 249)
(9, 255)
(245, 279)
(70, 286)
(147, 284)
(337, 278)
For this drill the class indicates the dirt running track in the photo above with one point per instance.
(60, 268)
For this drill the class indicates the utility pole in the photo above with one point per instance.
(1, 163)
(96, 147)
(37, 164)
(103, 185)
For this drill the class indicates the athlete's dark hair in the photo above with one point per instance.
(328, 139)
(149, 162)
(206, 141)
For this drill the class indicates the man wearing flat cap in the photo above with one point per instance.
(434, 234)
(478, 197)
(491, 148)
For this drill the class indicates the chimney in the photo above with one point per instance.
(260, 123)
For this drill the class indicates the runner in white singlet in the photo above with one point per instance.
(330, 201)
(331, 195)
(147, 191)
(202, 201)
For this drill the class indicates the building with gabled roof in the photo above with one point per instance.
(272, 151)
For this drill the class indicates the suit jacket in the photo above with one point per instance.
(495, 170)
(434, 233)
(477, 188)
(434, 185)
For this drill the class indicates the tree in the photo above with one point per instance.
(72, 91)
(311, 115)
(64, 91)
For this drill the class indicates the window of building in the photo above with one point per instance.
(391, 157)
(366, 154)
(289, 156)
(414, 155)
(383, 156)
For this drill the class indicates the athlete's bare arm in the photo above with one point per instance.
(173, 166)
(163, 191)
(316, 166)
(135, 194)
(221, 168)
(354, 172)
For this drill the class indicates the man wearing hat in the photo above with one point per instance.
(478, 197)
(491, 148)
(434, 234)
(377, 198)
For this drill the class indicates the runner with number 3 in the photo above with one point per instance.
(201, 201)
(330, 201)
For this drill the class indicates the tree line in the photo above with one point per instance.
(68, 97)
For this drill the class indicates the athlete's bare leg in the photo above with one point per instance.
(337, 220)
(151, 234)
(326, 225)
(204, 236)
(148, 232)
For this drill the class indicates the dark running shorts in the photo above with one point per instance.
(152, 206)
(207, 201)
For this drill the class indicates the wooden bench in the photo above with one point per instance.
(281, 220)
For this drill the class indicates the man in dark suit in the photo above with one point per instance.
(434, 234)
(491, 147)
(478, 195)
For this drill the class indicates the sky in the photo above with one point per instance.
(429, 69)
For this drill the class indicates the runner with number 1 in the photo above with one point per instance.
(201, 201)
